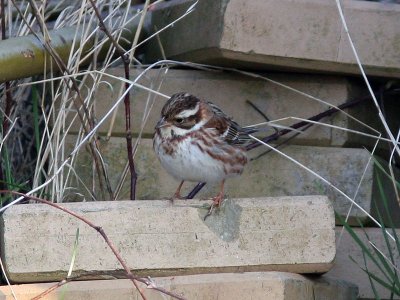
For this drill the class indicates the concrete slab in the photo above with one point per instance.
(271, 175)
(225, 286)
(231, 92)
(346, 269)
(284, 35)
(294, 234)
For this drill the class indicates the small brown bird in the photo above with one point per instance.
(196, 141)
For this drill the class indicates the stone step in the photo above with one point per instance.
(226, 286)
(156, 238)
(270, 175)
(347, 251)
(231, 92)
(281, 34)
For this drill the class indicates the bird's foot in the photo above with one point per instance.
(217, 201)
(176, 196)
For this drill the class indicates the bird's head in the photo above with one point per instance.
(182, 114)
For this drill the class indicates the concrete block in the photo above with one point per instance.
(230, 92)
(284, 35)
(225, 286)
(271, 175)
(346, 269)
(291, 234)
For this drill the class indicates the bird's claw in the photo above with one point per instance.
(175, 197)
(209, 211)
(217, 201)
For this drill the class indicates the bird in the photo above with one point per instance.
(196, 141)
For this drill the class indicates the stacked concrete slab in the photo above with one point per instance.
(255, 285)
(160, 238)
(252, 235)
(255, 236)
(264, 36)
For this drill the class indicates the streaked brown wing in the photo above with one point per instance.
(229, 130)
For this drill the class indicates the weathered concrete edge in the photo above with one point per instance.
(97, 275)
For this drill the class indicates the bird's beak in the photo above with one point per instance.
(162, 123)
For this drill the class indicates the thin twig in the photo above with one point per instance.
(257, 109)
(110, 244)
(52, 288)
(149, 283)
(146, 115)
(126, 61)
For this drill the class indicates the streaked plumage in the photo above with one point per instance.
(196, 141)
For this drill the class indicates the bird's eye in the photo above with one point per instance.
(179, 120)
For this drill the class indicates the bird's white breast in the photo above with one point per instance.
(190, 163)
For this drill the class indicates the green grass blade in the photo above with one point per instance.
(379, 165)
(387, 211)
(382, 264)
(391, 270)
(359, 242)
(383, 283)
(72, 263)
(380, 281)
(377, 297)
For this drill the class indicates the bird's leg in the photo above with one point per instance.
(217, 200)
(177, 194)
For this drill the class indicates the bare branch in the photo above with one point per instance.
(125, 59)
